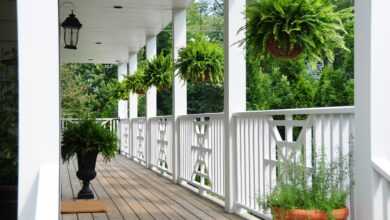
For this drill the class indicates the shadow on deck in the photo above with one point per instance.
(131, 191)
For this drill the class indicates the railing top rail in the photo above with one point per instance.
(161, 117)
(211, 115)
(96, 119)
(138, 119)
(299, 111)
(382, 167)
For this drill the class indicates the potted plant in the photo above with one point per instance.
(318, 192)
(8, 177)
(201, 61)
(8, 140)
(285, 29)
(159, 72)
(137, 82)
(86, 139)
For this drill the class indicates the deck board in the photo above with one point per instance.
(134, 192)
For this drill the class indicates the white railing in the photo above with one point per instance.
(201, 152)
(265, 137)
(161, 143)
(262, 138)
(124, 137)
(110, 123)
(382, 187)
(138, 139)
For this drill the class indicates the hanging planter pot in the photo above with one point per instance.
(136, 83)
(201, 61)
(159, 72)
(278, 51)
(287, 29)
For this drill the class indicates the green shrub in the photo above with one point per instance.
(86, 136)
(159, 72)
(201, 61)
(313, 26)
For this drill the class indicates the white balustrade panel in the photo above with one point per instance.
(201, 152)
(265, 137)
(138, 139)
(124, 136)
(161, 137)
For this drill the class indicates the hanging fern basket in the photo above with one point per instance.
(287, 29)
(201, 61)
(280, 52)
(140, 91)
(159, 72)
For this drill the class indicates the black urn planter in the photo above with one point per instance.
(86, 172)
(8, 201)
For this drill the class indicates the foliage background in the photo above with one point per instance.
(271, 84)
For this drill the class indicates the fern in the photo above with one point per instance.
(136, 82)
(201, 61)
(88, 136)
(159, 72)
(313, 25)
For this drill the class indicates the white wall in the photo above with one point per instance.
(39, 104)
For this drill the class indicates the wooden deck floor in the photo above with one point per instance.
(134, 192)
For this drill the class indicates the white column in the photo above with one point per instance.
(39, 108)
(234, 89)
(123, 115)
(122, 104)
(133, 101)
(133, 97)
(179, 88)
(372, 107)
(151, 97)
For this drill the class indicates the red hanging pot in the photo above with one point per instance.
(275, 49)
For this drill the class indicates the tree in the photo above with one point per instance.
(89, 89)
(334, 89)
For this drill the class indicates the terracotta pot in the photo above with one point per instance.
(140, 92)
(301, 214)
(275, 50)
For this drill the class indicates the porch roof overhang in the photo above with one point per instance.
(120, 31)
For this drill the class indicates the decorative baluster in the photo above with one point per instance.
(200, 169)
(162, 161)
(140, 139)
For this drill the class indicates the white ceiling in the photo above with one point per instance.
(121, 31)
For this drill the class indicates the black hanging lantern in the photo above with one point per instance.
(71, 27)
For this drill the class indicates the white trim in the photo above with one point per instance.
(299, 111)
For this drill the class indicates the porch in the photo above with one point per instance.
(235, 150)
(260, 140)
(132, 192)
